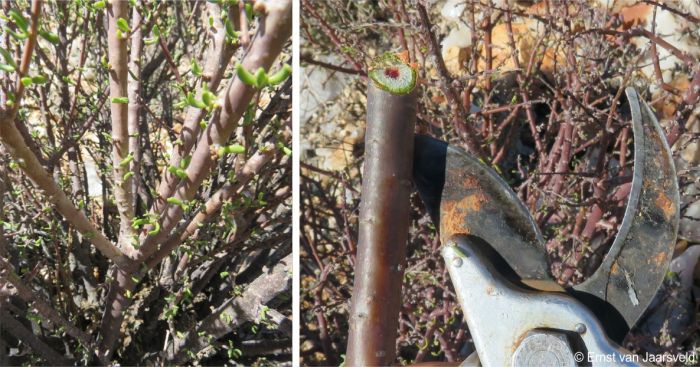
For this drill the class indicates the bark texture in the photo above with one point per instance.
(384, 220)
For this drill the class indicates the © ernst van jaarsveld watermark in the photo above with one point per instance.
(681, 358)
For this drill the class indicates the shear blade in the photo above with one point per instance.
(636, 264)
(476, 201)
(466, 197)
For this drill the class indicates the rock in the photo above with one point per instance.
(320, 85)
(343, 155)
(456, 59)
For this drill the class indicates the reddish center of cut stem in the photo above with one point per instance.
(392, 73)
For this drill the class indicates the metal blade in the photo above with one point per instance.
(476, 201)
(634, 268)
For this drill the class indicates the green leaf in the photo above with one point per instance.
(281, 75)
(178, 202)
(245, 76)
(16, 35)
(192, 101)
(7, 68)
(39, 79)
(150, 41)
(27, 81)
(261, 79)
(155, 230)
(231, 149)
(223, 274)
(179, 172)
(208, 98)
(104, 62)
(174, 201)
(8, 58)
(51, 37)
(19, 19)
(230, 32)
(249, 11)
(123, 25)
(68, 80)
(127, 175)
(180, 104)
(99, 4)
(196, 69)
(138, 222)
(185, 162)
(122, 100)
(125, 162)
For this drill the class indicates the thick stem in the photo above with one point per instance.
(43, 350)
(383, 232)
(214, 204)
(134, 90)
(273, 34)
(41, 306)
(235, 311)
(218, 56)
(120, 131)
(17, 147)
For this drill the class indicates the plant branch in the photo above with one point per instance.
(118, 84)
(383, 227)
(236, 311)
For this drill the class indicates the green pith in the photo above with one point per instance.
(391, 74)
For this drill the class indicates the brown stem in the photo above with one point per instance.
(273, 34)
(19, 331)
(134, 91)
(383, 232)
(466, 131)
(27, 54)
(120, 130)
(41, 306)
(254, 165)
(11, 137)
(219, 55)
(310, 60)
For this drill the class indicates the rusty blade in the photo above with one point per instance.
(476, 201)
(634, 267)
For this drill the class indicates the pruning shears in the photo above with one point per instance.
(496, 257)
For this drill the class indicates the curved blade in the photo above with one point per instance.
(477, 201)
(474, 200)
(634, 267)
